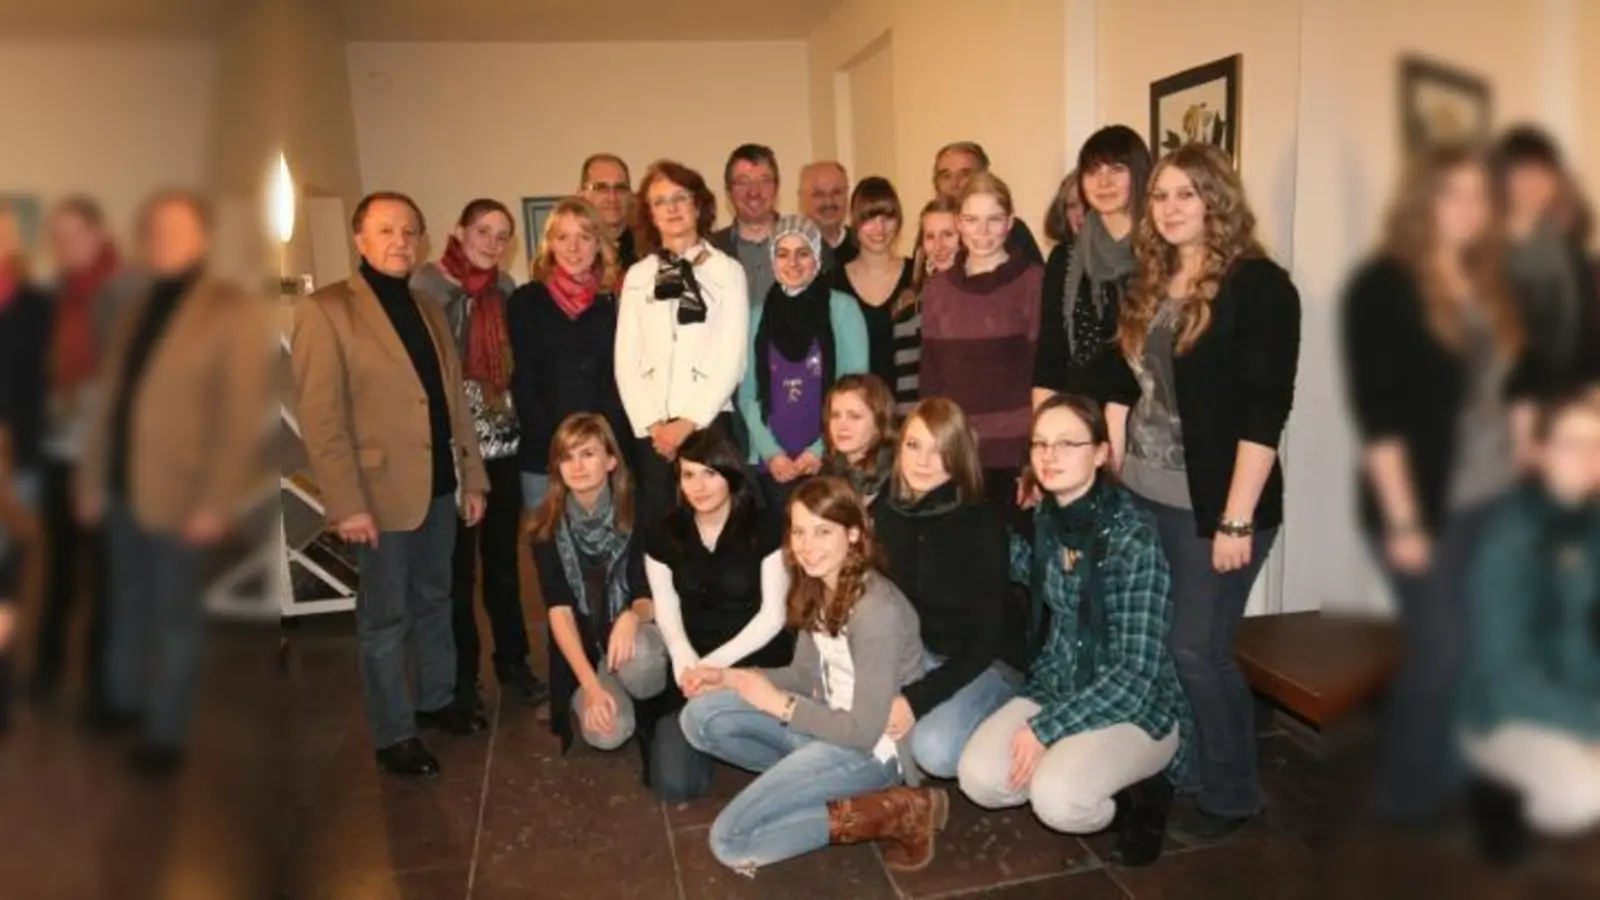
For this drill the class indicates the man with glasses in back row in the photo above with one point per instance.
(606, 183)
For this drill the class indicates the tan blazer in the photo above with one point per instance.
(363, 412)
(201, 416)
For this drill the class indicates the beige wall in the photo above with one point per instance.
(115, 120)
(991, 72)
(447, 123)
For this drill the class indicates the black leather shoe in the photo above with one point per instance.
(1141, 822)
(407, 759)
(1499, 825)
(525, 686)
(452, 719)
(155, 761)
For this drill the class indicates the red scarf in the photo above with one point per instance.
(74, 346)
(488, 358)
(573, 293)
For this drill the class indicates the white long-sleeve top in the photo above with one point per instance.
(761, 629)
(668, 371)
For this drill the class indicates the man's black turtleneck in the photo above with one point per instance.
(167, 293)
(394, 295)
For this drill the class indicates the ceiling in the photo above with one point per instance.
(436, 20)
(580, 20)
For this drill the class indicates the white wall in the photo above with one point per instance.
(450, 122)
(114, 120)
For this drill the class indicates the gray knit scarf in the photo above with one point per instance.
(1104, 259)
(592, 537)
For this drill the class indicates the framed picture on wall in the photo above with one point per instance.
(1442, 104)
(535, 210)
(1198, 104)
(26, 210)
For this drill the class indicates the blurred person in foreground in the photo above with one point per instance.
(19, 526)
(170, 462)
(389, 433)
(92, 286)
(1530, 710)
(1436, 377)
(1547, 225)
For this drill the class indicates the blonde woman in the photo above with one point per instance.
(563, 334)
(1209, 335)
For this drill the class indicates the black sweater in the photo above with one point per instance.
(1235, 384)
(25, 325)
(394, 295)
(1401, 382)
(561, 366)
(954, 567)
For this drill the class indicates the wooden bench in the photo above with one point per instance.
(1316, 667)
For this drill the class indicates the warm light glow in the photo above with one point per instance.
(281, 201)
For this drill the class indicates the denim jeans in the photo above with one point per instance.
(784, 812)
(404, 599)
(155, 620)
(939, 737)
(1207, 608)
(678, 772)
(534, 487)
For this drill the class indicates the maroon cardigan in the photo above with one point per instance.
(978, 339)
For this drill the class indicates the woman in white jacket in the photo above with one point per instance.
(682, 329)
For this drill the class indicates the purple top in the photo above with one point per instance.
(796, 417)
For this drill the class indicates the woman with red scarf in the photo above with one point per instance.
(563, 331)
(467, 279)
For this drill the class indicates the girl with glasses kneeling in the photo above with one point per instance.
(815, 729)
(1101, 730)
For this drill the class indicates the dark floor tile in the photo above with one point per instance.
(1242, 869)
(854, 872)
(726, 783)
(1075, 886)
(350, 769)
(407, 827)
(376, 884)
(983, 848)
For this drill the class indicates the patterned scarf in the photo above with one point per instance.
(488, 356)
(866, 481)
(1108, 264)
(592, 537)
(675, 280)
(573, 293)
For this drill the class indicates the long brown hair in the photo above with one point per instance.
(958, 446)
(812, 607)
(879, 401)
(574, 431)
(544, 260)
(1230, 236)
(1411, 237)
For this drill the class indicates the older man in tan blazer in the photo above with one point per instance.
(390, 439)
(171, 461)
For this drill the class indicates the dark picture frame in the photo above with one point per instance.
(1442, 103)
(535, 210)
(1181, 108)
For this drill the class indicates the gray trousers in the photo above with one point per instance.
(404, 604)
(642, 677)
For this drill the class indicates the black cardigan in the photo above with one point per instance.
(955, 569)
(1235, 384)
(25, 325)
(1400, 382)
(561, 366)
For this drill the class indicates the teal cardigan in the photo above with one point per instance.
(851, 357)
(1534, 654)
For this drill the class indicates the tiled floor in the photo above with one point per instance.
(510, 817)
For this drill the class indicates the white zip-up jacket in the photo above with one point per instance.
(670, 371)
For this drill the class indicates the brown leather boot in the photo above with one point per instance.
(905, 819)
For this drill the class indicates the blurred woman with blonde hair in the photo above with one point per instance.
(1209, 340)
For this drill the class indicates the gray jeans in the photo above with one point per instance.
(404, 603)
(642, 677)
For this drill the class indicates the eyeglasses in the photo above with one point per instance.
(1057, 448)
(671, 200)
(606, 187)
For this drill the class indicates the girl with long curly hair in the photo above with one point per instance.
(1435, 360)
(1198, 398)
(816, 728)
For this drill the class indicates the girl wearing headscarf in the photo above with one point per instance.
(802, 339)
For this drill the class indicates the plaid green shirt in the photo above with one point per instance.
(1135, 680)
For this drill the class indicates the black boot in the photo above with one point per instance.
(1499, 827)
(452, 718)
(1141, 821)
(407, 759)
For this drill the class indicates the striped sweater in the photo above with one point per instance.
(978, 339)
